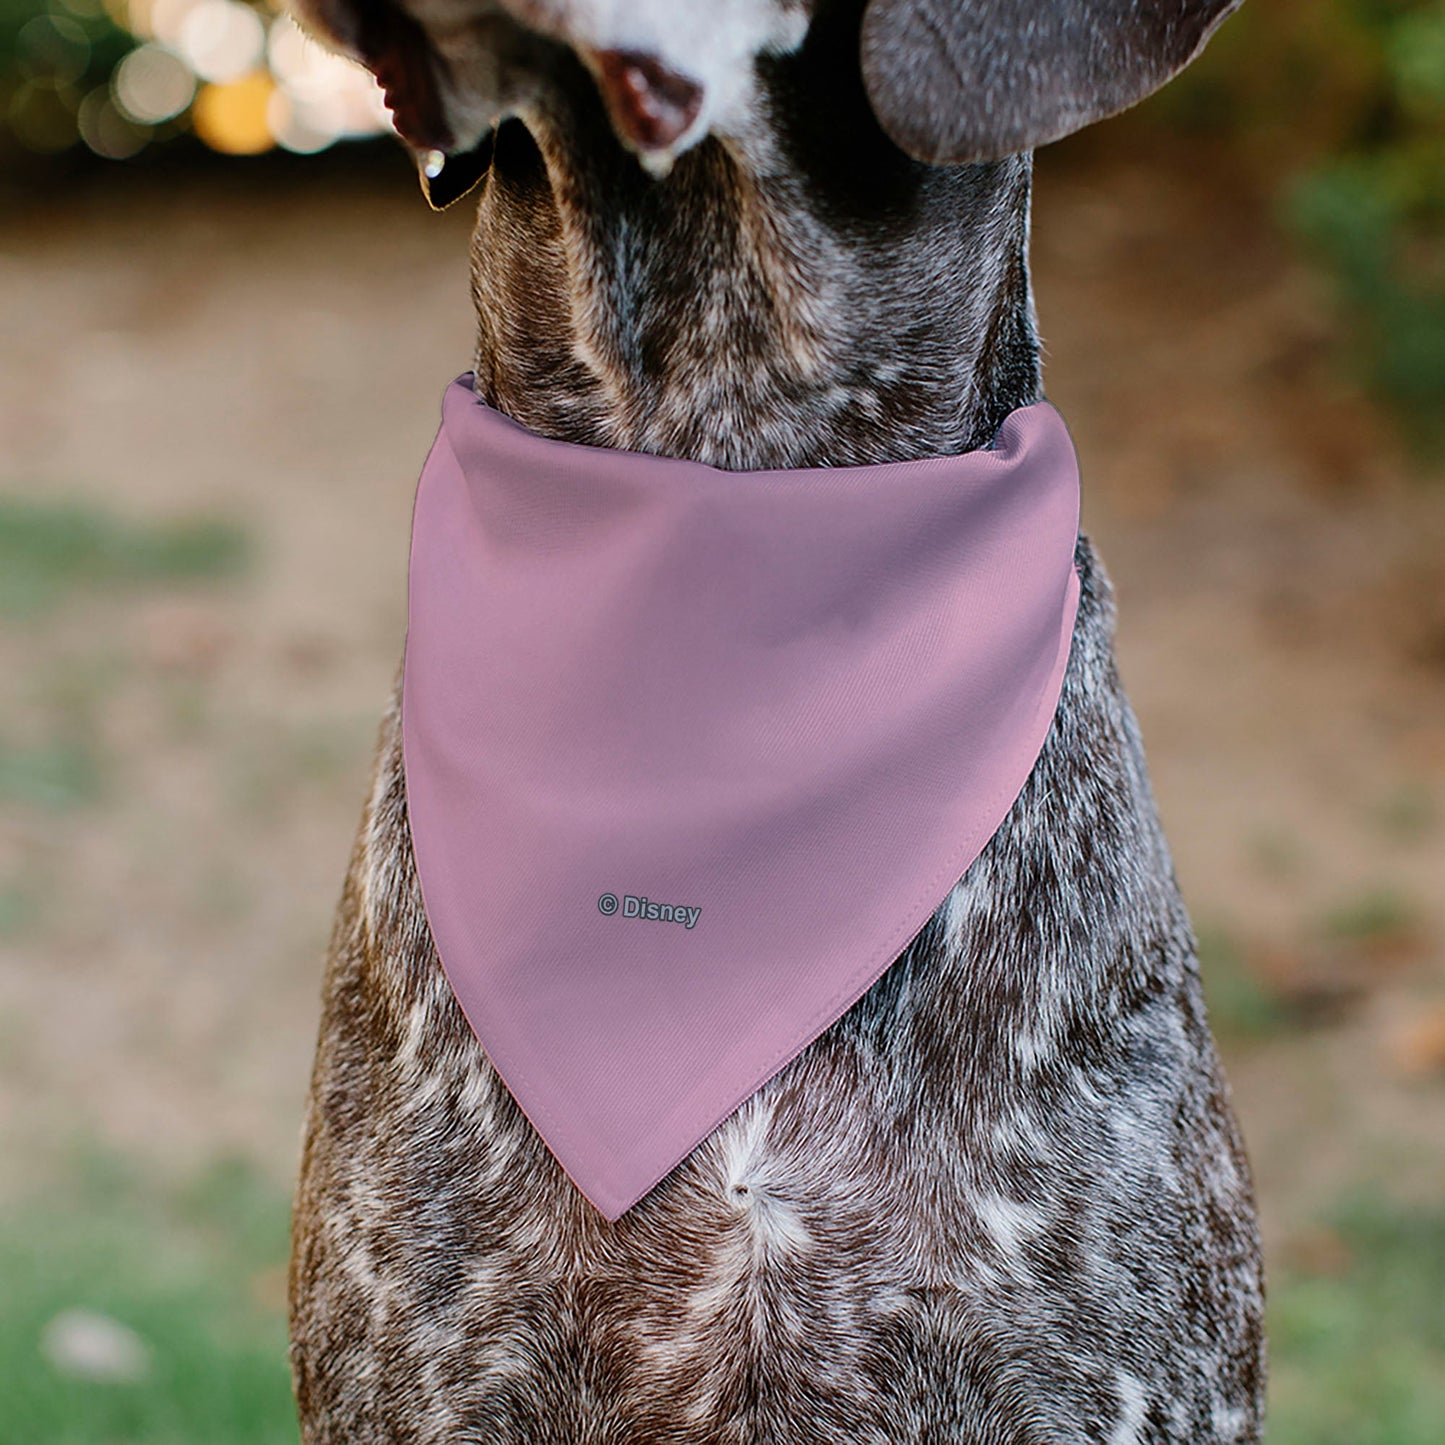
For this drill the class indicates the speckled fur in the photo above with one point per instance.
(1003, 1199)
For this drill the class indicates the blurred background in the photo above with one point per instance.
(227, 320)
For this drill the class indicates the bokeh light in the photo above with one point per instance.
(152, 84)
(106, 130)
(42, 114)
(232, 117)
(56, 45)
(120, 75)
(221, 40)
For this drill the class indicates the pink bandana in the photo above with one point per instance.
(691, 755)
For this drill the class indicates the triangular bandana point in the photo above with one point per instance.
(691, 755)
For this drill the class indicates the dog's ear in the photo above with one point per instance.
(974, 80)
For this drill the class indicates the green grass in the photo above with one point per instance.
(56, 776)
(194, 1275)
(17, 909)
(1358, 1355)
(1380, 913)
(1241, 1005)
(1408, 814)
(50, 549)
(1278, 854)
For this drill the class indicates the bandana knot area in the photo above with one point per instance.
(692, 755)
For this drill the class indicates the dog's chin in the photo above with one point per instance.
(448, 176)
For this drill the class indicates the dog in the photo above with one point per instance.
(1003, 1199)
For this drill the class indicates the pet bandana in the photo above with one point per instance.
(692, 755)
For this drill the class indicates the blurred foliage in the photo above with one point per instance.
(51, 59)
(191, 1278)
(56, 775)
(1376, 915)
(1241, 1004)
(1337, 107)
(115, 78)
(50, 548)
(1357, 1330)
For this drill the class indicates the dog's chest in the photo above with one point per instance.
(1008, 1173)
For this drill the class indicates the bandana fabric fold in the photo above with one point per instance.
(691, 755)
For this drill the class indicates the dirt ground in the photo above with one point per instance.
(274, 354)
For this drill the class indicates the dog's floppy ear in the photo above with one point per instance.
(974, 80)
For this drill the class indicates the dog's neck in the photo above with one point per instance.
(804, 297)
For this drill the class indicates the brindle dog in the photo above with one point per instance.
(1003, 1199)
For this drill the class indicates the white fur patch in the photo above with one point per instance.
(1132, 1404)
(1008, 1223)
(714, 45)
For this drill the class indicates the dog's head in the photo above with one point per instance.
(949, 81)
